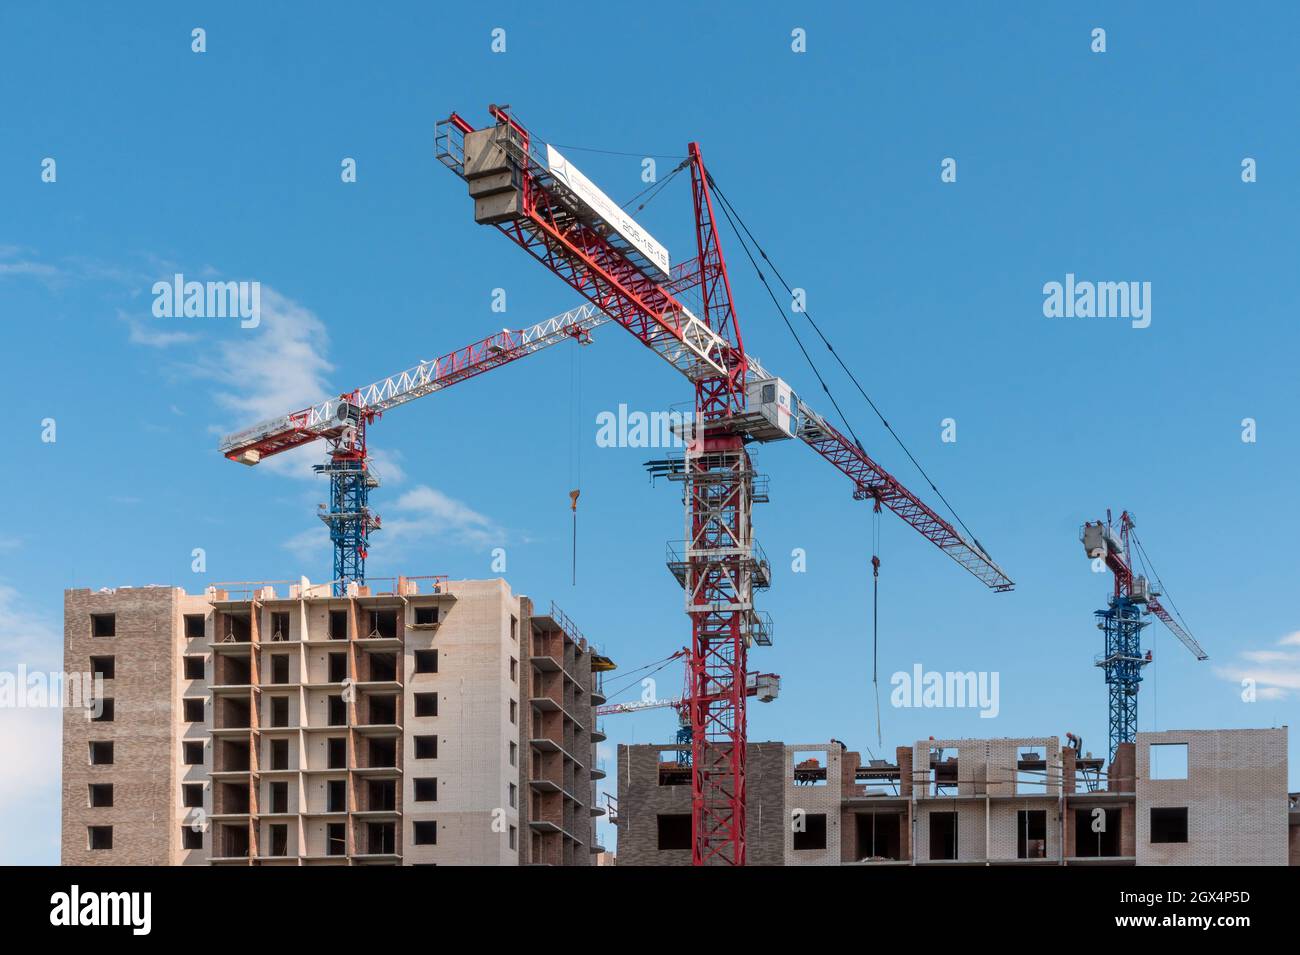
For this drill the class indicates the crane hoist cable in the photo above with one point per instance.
(726, 205)
(575, 452)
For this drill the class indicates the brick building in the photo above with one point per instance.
(1196, 797)
(435, 722)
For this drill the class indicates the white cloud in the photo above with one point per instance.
(274, 369)
(30, 739)
(155, 332)
(26, 637)
(424, 513)
(1275, 673)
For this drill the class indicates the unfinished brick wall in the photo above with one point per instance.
(641, 800)
(823, 799)
(1235, 795)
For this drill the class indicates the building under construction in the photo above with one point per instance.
(1194, 797)
(429, 721)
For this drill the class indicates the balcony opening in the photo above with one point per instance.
(191, 838)
(192, 795)
(103, 668)
(234, 755)
(103, 624)
(381, 838)
(234, 841)
(195, 626)
(192, 710)
(1169, 825)
(279, 839)
(943, 835)
(279, 754)
(674, 831)
(809, 831)
(426, 616)
(337, 752)
(233, 671)
(236, 628)
(426, 661)
(336, 795)
(338, 628)
(1031, 834)
(192, 753)
(383, 752)
(382, 795)
(195, 667)
(383, 625)
(426, 704)
(233, 798)
(338, 667)
(280, 668)
(279, 711)
(235, 713)
(879, 837)
(383, 667)
(336, 711)
(1096, 832)
(426, 747)
(383, 710)
(336, 840)
(279, 627)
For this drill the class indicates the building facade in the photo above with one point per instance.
(1196, 797)
(433, 722)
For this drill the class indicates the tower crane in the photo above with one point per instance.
(526, 189)
(342, 423)
(1122, 623)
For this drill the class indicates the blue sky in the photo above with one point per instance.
(1115, 166)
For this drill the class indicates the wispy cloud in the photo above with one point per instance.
(277, 368)
(26, 637)
(153, 333)
(1275, 673)
(425, 513)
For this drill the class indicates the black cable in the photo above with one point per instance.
(1142, 552)
(656, 186)
(797, 340)
(615, 152)
(777, 272)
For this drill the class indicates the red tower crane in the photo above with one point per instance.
(527, 189)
